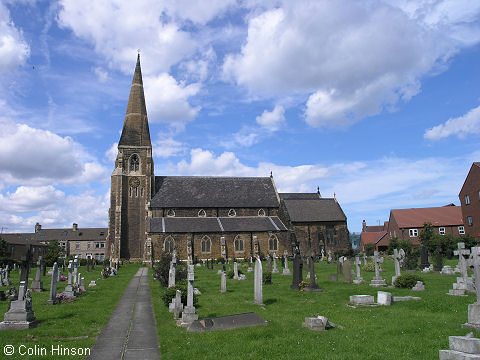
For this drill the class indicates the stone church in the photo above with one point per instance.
(207, 217)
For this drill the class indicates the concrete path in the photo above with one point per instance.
(131, 332)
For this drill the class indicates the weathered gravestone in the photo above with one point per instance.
(189, 315)
(6, 280)
(463, 281)
(172, 270)
(396, 257)
(312, 286)
(461, 348)
(474, 309)
(223, 283)
(377, 280)
(347, 272)
(235, 270)
(275, 270)
(339, 268)
(227, 322)
(37, 285)
(424, 258)
(53, 286)
(269, 263)
(297, 270)
(439, 264)
(258, 282)
(70, 290)
(286, 269)
(358, 279)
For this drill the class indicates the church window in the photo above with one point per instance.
(168, 244)
(329, 232)
(136, 192)
(170, 213)
(141, 192)
(130, 191)
(202, 213)
(206, 244)
(134, 163)
(232, 213)
(261, 212)
(273, 243)
(238, 243)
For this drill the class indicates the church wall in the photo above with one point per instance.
(331, 236)
(213, 212)
(215, 249)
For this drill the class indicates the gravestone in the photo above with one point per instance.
(362, 300)
(6, 281)
(223, 283)
(75, 271)
(358, 279)
(339, 268)
(53, 286)
(419, 286)
(20, 314)
(258, 282)
(447, 270)
(364, 259)
(92, 283)
(312, 286)
(396, 258)
(88, 264)
(439, 265)
(461, 348)
(463, 281)
(223, 248)
(82, 284)
(347, 271)
(297, 270)
(189, 315)
(250, 269)
(178, 308)
(227, 322)
(37, 285)
(235, 270)
(269, 263)
(94, 262)
(275, 270)
(401, 260)
(323, 255)
(256, 247)
(474, 309)
(329, 258)
(384, 298)
(286, 269)
(70, 288)
(44, 268)
(377, 281)
(424, 259)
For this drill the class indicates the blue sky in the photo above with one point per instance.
(375, 101)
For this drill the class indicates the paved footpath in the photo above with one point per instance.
(131, 332)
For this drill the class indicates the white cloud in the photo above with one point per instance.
(31, 199)
(168, 147)
(112, 152)
(34, 156)
(272, 120)
(167, 100)
(102, 75)
(460, 126)
(350, 59)
(14, 50)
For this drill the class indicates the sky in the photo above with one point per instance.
(377, 102)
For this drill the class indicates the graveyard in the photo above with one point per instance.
(415, 329)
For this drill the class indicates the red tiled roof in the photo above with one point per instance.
(371, 237)
(374, 228)
(437, 216)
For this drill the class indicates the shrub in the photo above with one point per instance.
(170, 293)
(369, 249)
(368, 267)
(230, 273)
(162, 268)
(267, 278)
(407, 280)
(220, 260)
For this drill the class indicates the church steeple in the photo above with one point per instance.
(135, 128)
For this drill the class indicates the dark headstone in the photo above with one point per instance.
(449, 254)
(439, 265)
(2, 295)
(44, 269)
(224, 268)
(424, 260)
(339, 268)
(93, 264)
(227, 322)
(88, 264)
(297, 270)
(313, 286)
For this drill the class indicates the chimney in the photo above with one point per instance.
(75, 227)
(38, 227)
(364, 225)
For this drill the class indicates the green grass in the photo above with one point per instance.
(405, 330)
(71, 325)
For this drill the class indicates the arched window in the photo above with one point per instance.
(134, 162)
(169, 244)
(202, 213)
(232, 213)
(170, 213)
(261, 212)
(273, 243)
(206, 244)
(238, 243)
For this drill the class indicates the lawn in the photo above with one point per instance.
(70, 325)
(405, 330)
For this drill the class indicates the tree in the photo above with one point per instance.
(369, 249)
(427, 237)
(393, 244)
(4, 254)
(54, 251)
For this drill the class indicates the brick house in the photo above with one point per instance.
(406, 224)
(377, 235)
(470, 201)
(16, 245)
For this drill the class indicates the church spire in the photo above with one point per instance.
(135, 128)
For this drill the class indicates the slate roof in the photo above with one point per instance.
(214, 224)
(437, 216)
(299, 196)
(318, 210)
(20, 239)
(214, 192)
(81, 234)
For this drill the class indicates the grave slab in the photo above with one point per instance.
(227, 322)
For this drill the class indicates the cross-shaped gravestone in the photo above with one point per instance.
(25, 265)
(53, 285)
(396, 257)
(37, 285)
(462, 263)
(358, 279)
(6, 281)
(476, 269)
(377, 280)
(178, 304)
(474, 309)
(75, 270)
(275, 270)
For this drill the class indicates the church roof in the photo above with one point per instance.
(299, 196)
(318, 210)
(214, 224)
(214, 192)
(135, 128)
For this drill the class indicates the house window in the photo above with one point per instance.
(134, 163)
(413, 232)
(97, 245)
(102, 245)
(170, 213)
(461, 230)
(202, 213)
(261, 212)
(39, 250)
(470, 220)
(441, 231)
(168, 244)
(89, 245)
(238, 243)
(232, 213)
(12, 249)
(467, 200)
(206, 244)
(273, 243)
(77, 245)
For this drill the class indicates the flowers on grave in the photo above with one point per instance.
(63, 278)
(369, 267)
(63, 298)
(106, 272)
(302, 285)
